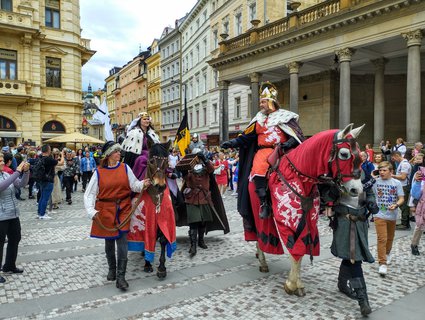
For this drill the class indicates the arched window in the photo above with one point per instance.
(6, 124)
(53, 127)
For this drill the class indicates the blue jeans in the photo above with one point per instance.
(46, 192)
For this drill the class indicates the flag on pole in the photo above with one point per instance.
(183, 135)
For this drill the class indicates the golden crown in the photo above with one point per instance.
(268, 91)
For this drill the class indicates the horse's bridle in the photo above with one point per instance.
(152, 172)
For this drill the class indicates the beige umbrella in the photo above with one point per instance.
(75, 137)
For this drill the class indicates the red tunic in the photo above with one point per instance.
(222, 177)
(146, 221)
(267, 138)
(113, 186)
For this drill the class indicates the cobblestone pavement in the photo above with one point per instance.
(65, 277)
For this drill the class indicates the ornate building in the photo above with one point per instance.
(337, 62)
(154, 84)
(41, 54)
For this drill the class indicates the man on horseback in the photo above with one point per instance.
(269, 128)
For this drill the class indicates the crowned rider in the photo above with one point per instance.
(135, 145)
(269, 128)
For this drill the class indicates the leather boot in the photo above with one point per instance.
(359, 287)
(265, 209)
(122, 267)
(415, 250)
(112, 263)
(193, 234)
(344, 284)
(201, 234)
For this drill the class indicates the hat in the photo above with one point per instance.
(5, 149)
(109, 147)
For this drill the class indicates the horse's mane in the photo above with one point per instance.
(311, 157)
(159, 150)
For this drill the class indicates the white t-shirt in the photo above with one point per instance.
(172, 161)
(387, 193)
(404, 167)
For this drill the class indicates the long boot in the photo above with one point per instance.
(201, 234)
(261, 191)
(344, 284)
(193, 234)
(359, 287)
(122, 267)
(112, 263)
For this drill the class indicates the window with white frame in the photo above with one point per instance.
(215, 39)
(204, 112)
(215, 111)
(53, 72)
(238, 23)
(197, 118)
(197, 87)
(204, 83)
(237, 107)
(252, 12)
(205, 52)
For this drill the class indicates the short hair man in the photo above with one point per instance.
(402, 174)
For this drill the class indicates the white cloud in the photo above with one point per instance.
(117, 28)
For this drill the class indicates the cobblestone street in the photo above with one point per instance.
(65, 277)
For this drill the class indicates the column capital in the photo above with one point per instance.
(223, 84)
(26, 40)
(379, 63)
(294, 66)
(345, 54)
(413, 38)
(255, 77)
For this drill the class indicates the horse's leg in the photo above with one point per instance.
(262, 259)
(147, 267)
(162, 270)
(293, 284)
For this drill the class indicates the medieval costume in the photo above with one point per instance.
(271, 127)
(350, 240)
(196, 144)
(108, 204)
(135, 144)
(205, 209)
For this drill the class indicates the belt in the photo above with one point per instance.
(116, 200)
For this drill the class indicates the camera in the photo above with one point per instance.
(375, 172)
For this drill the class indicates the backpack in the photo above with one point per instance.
(39, 171)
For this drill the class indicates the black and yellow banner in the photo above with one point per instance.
(183, 135)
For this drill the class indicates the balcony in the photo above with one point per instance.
(85, 43)
(14, 89)
(15, 20)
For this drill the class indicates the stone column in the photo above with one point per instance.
(255, 93)
(379, 101)
(294, 68)
(413, 96)
(224, 110)
(344, 57)
(26, 41)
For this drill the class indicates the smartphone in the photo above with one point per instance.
(375, 172)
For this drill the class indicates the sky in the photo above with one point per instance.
(118, 27)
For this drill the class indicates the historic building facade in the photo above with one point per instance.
(337, 62)
(41, 54)
(111, 83)
(171, 102)
(154, 84)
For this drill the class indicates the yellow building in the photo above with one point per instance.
(111, 85)
(41, 55)
(154, 85)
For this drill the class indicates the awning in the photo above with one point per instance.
(10, 134)
(47, 135)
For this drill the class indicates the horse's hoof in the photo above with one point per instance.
(264, 269)
(287, 290)
(300, 292)
(161, 274)
(148, 269)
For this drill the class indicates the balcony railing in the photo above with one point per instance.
(15, 19)
(13, 87)
(85, 43)
(297, 19)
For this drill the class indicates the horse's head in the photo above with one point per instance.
(344, 160)
(158, 164)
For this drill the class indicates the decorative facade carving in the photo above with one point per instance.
(379, 63)
(294, 67)
(345, 54)
(413, 38)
